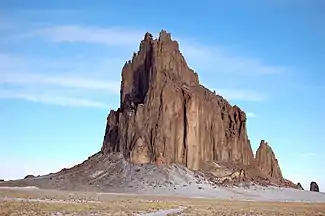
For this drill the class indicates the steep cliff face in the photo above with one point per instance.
(267, 162)
(164, 112)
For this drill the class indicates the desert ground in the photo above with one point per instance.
(35, 201)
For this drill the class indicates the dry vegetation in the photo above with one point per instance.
(115, 208)
(50, 202)
(214, 207)
(59, 203)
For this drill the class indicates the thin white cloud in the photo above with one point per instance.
(60, 81)
(218, 59)
(241, 95)
(94, 35)
(82, 74)
(202, 57)
(250, 115)
(56, 87)
(308, 154)
(81, 65)
(77, 88)
(57, 90)
(52, 99)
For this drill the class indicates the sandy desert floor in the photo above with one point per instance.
(33, 201)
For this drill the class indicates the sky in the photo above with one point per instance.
(61, 61)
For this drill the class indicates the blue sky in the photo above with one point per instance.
(60, 65)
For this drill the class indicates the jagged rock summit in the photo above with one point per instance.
(164, 111)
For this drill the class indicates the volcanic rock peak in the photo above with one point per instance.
(166, 115)
(164, 110)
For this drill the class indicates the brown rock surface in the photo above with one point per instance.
(165, 111)
(265, 159)
(160, 160)
(314, 186)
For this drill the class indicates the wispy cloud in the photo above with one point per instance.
(75, 88)
(201, 56)
(71, 90)
(308, 154)
(241, 95)
(60, 81)
(250, 115)
(52, 99)
(80, 82)
(86, 34)
(220, 60)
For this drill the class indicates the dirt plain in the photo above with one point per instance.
(31, 201)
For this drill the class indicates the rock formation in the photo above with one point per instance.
(300, 186)
(165, 112)
(166, 116)
(265, 159)
(314, 186)
(29, 176)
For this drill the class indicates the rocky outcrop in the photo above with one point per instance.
(29, 176)
(300, 186)
(165, 113)
(314, 186)
(265, 160)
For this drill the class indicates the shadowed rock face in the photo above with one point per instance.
(314, 186)
(265, 159)
(165, 112)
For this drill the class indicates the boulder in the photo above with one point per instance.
(314, 186)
